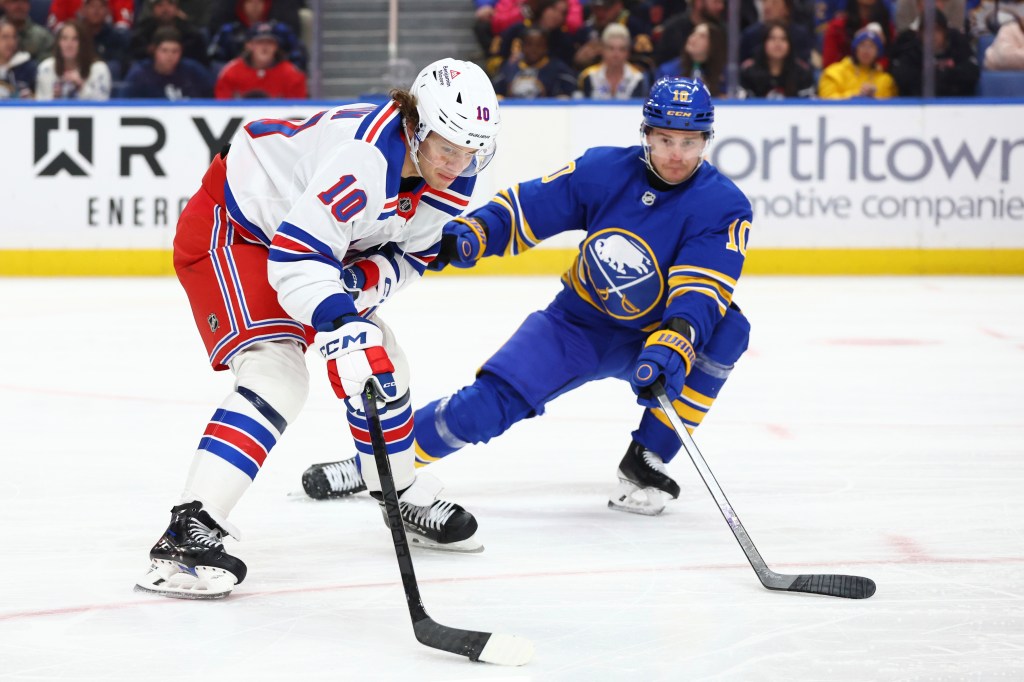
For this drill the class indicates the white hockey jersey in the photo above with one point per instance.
(323, 192)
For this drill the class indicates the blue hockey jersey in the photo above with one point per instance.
(650, 253)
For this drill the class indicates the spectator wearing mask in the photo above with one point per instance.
(167, 74)
(262, 70)
(74, 71)
(860, 74)
(775, 72)
(17, 68)
(536, 75)
(956, 68)
(614, 77)
(167, 14)
(32, 37)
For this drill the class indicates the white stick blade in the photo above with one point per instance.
(507, 650)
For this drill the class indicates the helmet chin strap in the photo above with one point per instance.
(414, 150)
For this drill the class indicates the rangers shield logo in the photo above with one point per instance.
(623, 272)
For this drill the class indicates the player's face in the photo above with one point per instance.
(675, 153)
(441, 161)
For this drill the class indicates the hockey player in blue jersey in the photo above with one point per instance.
(648, 298)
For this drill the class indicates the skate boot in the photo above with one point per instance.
(333, 479)
(432, 523)
(643, 483)
(189, 561)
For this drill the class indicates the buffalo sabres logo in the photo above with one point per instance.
(623, 272)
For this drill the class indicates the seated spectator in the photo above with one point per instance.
(196, 12)
(482, 17)
(676, 30)
(603, 14)
(168, 75)
(956, 68)
(32, 37)
(549, 18)
(226, 11)
(1006, 53)
(614, 77)
(230, 40)
(122, 13)
(110, 40)
(535, 75)
(859, 75)
(74, 71)
(17, 68)
(508, 13)
(908, 13)
(703, 57)
(775, 72)
(166, 15)
(262, 71)
(858, 14)
(801, 43)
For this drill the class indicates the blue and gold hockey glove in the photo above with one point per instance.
(667, 355)
(463, 241)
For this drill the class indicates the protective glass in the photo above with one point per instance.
(453, 159)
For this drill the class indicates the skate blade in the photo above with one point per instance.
(634, 500)
(467, 546)
(167, 579)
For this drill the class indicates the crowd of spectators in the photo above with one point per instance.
(831, 49)
(154, 49)
(594, 49)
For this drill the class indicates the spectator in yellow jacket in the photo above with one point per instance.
(859, 75)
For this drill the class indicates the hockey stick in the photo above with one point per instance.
(849, 586)
(478, 646)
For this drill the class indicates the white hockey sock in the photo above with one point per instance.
(236, 442)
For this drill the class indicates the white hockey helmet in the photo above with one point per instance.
(456, 100)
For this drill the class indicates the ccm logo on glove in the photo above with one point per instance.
(331, 347)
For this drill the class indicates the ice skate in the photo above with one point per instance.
(433, 523)
(333, 479)
(643, 483)
(189, 561)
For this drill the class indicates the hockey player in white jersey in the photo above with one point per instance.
(299, 233)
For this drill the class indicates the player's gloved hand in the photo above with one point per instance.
(463, 241)
(358, 274)
(355, 353)
(667, 355)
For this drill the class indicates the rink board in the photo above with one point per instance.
(901, 188)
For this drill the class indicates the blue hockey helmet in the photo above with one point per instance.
(680, 104)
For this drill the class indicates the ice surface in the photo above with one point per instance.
(875, 427)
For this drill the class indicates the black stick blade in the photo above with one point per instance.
(847, 586)
(477, 646)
